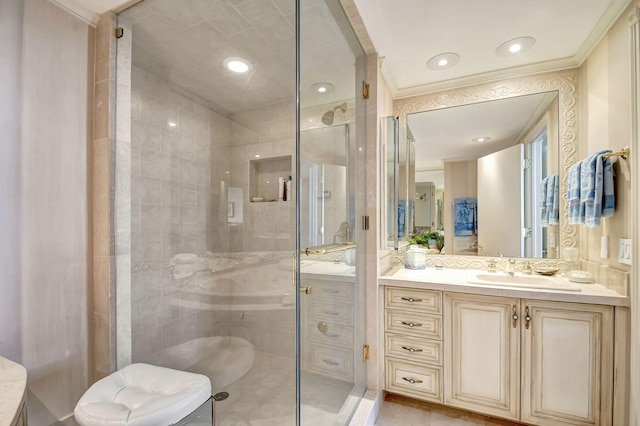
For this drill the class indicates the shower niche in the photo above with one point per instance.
(264, 175)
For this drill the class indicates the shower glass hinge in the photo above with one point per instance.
(365, 90)
(365, 353)
(526, 232)
(119, 32)
(365, 223)
(525, 163)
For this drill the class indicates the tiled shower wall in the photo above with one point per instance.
(180, 179)
(178, 205)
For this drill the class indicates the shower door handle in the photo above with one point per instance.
(306, 290)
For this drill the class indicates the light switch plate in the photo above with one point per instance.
(604, 247)
(624, 251)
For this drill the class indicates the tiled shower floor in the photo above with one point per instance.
(265, 396)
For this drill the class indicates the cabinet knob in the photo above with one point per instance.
(514, 316)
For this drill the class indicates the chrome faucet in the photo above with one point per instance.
(511, 267)
(344, 233)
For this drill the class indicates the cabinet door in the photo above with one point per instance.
(567, 363)
(482, 358)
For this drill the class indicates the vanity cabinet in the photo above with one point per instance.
(482, 352)
(543, 363)
(328, 316)
(413, 343)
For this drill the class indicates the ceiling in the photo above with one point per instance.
(186, 41)
(410, 32)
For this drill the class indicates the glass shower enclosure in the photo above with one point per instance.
(246, 178)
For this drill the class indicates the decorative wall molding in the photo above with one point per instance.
(563, 82)
(88, 16)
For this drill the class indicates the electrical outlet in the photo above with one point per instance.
(604, 247)
(624, 251)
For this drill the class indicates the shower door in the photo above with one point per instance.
(331, 158)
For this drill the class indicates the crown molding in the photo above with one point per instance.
(86, 15)
(610, 16)
(487, 77)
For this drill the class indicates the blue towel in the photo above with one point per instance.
(554, 209)
(544, 213)
(591, 189)
(573, 193)
(609, 202)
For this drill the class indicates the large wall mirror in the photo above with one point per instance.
(502, 196)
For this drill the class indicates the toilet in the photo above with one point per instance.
(147, 395)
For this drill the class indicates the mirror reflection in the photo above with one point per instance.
(484, 181)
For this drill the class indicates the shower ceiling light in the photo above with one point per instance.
(238, 65)
(515, 46)
(443, 61)
(322, 88)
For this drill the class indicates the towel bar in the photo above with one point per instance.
(624, 153)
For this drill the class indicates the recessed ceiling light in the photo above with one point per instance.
(172, 124)
(257, 155)
(515, 46)
(443, 61)
(238, 65)
(322, 88)
(481, 139)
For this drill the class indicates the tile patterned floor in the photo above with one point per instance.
(400, 411)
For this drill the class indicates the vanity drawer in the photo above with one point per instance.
(331, 361)
(341, 292)
(338, 313)
(427, 301)
(414, 380)
(413, 324)
(326, 333)
(413, 349)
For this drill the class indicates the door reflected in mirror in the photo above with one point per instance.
(485, 177)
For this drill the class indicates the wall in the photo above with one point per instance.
(10, 109)
(56, 79)
(605, 123)
(461, 176)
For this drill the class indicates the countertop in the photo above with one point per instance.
(455, 280)
(13, 384)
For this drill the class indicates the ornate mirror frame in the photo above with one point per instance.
(565, 83)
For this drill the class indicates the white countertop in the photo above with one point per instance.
(455, 280)
(13, 384)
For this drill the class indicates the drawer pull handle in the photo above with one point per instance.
(330, 362)
(411, 324)
(514, 316)
(411, 299)
(412, 350)
(412, 381)
(527, 317)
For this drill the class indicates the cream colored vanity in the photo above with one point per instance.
(528, 355)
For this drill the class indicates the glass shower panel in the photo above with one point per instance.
(212, 199)
(332, 188)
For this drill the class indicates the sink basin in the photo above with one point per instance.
(520, 280)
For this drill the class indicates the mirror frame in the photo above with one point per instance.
(563, 82)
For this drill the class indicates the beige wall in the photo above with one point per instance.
(47, 154)
(10, 77)
(462, 178)
(605, 123)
